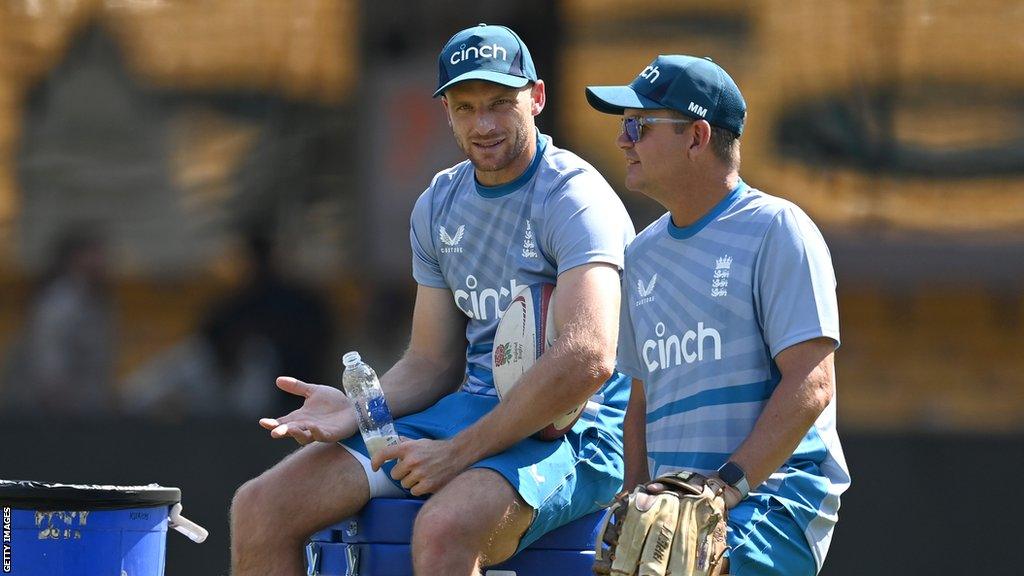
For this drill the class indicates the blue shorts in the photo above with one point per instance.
(765, 540)
(561, 480)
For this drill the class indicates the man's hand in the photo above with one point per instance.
(424, 466)
(731, 496)
(675, 525)
(326, 414)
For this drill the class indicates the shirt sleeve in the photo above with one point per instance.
(426, 268)
(627, 360)
(795, 289)
(586, 222)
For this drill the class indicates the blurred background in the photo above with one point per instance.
(197, 196)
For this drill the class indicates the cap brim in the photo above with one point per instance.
(615, 99)
(488, 75)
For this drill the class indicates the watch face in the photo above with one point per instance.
(731, 473)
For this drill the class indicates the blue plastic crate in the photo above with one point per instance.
(377, 543)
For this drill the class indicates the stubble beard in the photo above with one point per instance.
(515, 146)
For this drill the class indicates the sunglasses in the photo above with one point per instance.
(633, 126)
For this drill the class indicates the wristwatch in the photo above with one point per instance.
(734, 476)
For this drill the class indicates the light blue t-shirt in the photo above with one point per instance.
(484, 243)
(706, 308)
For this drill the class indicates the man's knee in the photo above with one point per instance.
(253, 510)
(440, 528)
(311, 488)
(465, 527)
(247, 499)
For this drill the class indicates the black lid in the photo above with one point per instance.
(30, 495)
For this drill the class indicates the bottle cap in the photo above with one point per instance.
(351, 358)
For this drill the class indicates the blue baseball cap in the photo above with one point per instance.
(696, 87)
(483, 52)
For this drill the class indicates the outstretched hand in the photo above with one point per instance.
(326, 414)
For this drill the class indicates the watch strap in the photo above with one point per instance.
(734, 476)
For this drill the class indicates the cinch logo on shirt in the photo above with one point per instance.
(675, 350)
(450, 245)
(493, 51)
(484, 304)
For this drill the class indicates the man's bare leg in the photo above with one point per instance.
(274, 513)
(477, 519)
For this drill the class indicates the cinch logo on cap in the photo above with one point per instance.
(489, 53)
(695, 87)
(492, 51)
(650, 73)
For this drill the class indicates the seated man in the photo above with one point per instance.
(518, 212)
(729, 323)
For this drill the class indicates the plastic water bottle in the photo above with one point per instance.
(372, 412)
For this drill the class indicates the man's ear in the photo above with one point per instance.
(539, 97)
(700, 138)
(447, 115)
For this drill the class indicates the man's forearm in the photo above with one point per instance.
(567, 374)
(635, 438)
(793, 408)
(558, 382)
(415, 383)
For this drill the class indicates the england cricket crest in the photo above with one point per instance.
(720, 278)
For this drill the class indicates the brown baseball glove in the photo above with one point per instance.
(674, 526)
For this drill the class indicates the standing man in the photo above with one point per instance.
(518, 211)
(65, 365)
(729, 323)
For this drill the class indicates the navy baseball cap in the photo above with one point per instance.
(696, 87)
(483, 52)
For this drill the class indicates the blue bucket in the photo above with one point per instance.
(69, 530)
